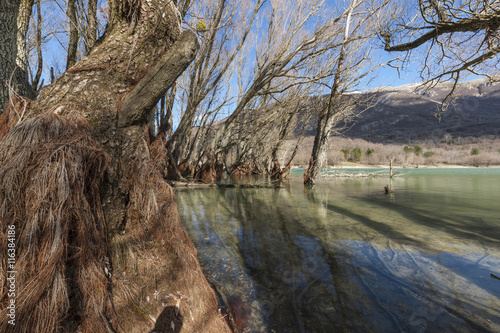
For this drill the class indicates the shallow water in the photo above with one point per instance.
(344, 257)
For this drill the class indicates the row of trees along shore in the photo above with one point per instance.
(161, 89)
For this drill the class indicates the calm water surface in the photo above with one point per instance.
(344, 257)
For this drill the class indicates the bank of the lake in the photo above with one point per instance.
(352, 165)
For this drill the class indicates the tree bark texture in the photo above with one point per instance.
(112, 255)
(73, 34)
(18, 79)
(277, 172)
(326, 122)
(91, 35)
(23, 22)
(38, 41)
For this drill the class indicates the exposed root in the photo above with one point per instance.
(49, 180)
(155, 257)
(12, 114)
(50, 177)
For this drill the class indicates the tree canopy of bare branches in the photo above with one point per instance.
(251, 63)
(456, 37)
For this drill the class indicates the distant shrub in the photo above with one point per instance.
(408, 149)
(357, 154)
(428, 154)
(346, 153)
(448, 139)
(474, 151)
(370, 151)
(418, 150)
(499, 151)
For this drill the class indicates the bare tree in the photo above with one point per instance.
(279, 168)
(223, 39)
(286, 47)
(294, 45)
(289, 48)
(352, 65)
(456, 38)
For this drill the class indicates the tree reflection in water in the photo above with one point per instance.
(342, 256)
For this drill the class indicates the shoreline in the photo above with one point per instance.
(351, 165)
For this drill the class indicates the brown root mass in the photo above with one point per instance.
(245, 170)
(186, 169)
(73, 274)
(210, 172)
(49, 178)
(154, 257)
(280, 173)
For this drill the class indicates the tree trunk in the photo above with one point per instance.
(325, 124)
(91, 35)
(73, 34)
(9, 72)
(23, 21)
(277, 172)
(38, 41)
(328, 118)
(8, 15)
(99, 245)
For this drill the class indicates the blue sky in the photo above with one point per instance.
(55, 56)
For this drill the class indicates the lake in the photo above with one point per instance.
(343, 256)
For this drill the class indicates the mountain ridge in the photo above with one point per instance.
(408, 112)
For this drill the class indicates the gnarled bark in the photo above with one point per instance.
(110, 250)
(73, 34)
(9, 70)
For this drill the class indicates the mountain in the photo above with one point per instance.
(408, 112)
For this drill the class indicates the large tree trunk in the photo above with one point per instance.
(9, 72)
(99, 245)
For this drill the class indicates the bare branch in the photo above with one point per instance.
(158, 80)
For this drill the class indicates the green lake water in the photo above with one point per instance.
(345, 257)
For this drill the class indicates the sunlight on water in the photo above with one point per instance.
(343, 256)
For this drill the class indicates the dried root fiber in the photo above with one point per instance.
(50, 170)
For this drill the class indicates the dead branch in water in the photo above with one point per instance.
(193, 185)
(340, 174)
